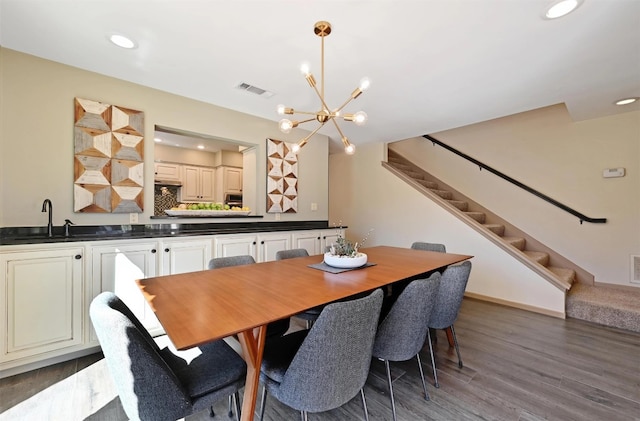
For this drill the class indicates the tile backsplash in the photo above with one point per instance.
(164, 197)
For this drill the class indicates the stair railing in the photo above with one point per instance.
(582, 217)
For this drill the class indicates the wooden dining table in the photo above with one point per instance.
(199, 307)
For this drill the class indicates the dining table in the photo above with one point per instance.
(195, 308)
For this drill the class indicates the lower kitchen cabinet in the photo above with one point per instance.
(42, 302)
(263, 247)
(315, 242)
(180, 256)
(116, 267)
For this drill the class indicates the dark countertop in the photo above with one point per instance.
(38, 235)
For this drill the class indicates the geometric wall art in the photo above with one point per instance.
(282, 177)
(108, 169)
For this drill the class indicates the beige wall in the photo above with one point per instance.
(163, 153)
(365, 196)
(36, 140)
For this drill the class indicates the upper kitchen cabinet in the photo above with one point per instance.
(228, 181)
(167, 172)
(198, 184)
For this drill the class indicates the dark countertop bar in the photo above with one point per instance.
(38, 235)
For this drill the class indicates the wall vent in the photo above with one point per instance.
(635, 269)
(243, 86)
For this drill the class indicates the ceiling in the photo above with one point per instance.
(433, 64)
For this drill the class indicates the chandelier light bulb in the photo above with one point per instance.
(280, 109)
(360, 118)
(364, 84)
(561, 8)
(350, 149)
(295, 148)
(305, 69)
(285, 125)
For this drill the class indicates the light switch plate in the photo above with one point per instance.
(613, 172)
(133, 218)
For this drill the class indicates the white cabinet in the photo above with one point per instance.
(41, 292)
(228, 181)
(198, 184)
(115, 267)
(166, 171)
(263, 247)
(180, 255)
(316, 241)
(232, 180)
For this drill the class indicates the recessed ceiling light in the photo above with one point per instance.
(626, 101)
(122, 41)
(200, 146)
(157, 139)
(561, 8)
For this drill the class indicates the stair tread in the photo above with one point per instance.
(517, 242)
(539, 256)
(565, 274)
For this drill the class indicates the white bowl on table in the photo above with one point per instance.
(344, 261)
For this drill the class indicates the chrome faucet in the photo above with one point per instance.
(45, 204)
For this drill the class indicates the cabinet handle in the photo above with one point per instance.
(254, 243)
(153, 250)
(318, 238)
(166, 250)
(78, 256)
(262, 242)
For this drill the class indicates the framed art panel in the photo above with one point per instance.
(108, 170)
(282, 177)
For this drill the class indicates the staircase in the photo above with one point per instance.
(547, 263)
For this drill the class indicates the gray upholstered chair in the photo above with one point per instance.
(310, 315)
(155, 384)
(402, 333)
(445, 312)
(419, 245)
(323, 368)
(274, 329)
(291, 253)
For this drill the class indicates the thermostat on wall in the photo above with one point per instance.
(613, 172)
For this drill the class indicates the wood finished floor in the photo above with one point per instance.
(517, 366)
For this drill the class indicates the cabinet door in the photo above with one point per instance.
(328, 237)
(309, 240)
(270, 244)
(164, 171)
(233, 180)
(116, 268)
(207, 184)
(41, 301)
(190, 183)
(182, 256)
(236, 245)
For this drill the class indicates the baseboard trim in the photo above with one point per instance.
(617, 286)
(533, 309)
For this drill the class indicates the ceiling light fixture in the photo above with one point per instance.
(323, 29)
(561, 8)
(627, 101)
(122, 41)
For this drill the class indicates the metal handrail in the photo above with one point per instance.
(533, 191)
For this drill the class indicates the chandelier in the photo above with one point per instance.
(326, 114)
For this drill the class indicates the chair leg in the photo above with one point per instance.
(263, 401)
(364, 405)
(303, 416)
(393, 402)
(455, 342)
(424, 385)
(230, 406)
(211, 412)
(433, 360)
(236, 401)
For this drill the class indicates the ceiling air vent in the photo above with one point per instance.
(254, 90)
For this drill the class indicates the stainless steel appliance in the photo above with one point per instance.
(233, 200)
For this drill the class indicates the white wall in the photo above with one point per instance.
(36, 141)
(365, 196)
(562, 159)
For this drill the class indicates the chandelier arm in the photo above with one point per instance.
(307, 137)
(351, 98)
(308, 120)
(335, 123)
(305, 112)
(324, 104)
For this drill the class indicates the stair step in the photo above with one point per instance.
(428, 184)
(517, 242)
(414, 174)
(478, 216)
(463, 206)
(608, 306)
(566, 275)
(538, 256)
(442, 193)
(496, 228)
